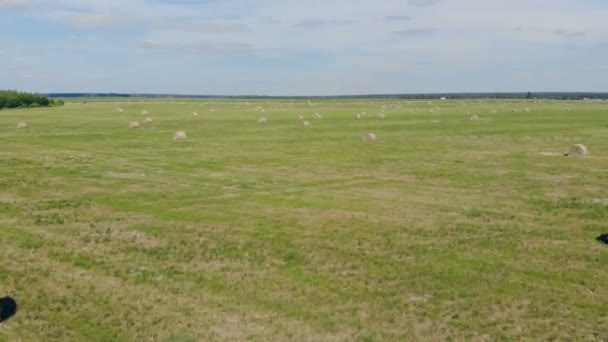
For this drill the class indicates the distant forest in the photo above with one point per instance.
(16, 99)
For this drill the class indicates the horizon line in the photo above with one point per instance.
(437, 94)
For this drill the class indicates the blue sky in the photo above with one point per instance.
(303, 47)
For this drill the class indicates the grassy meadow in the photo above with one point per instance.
(441, 229)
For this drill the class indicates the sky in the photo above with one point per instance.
(303, 47)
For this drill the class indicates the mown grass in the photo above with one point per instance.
(442, 229)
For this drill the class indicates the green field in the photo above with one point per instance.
(441, 229)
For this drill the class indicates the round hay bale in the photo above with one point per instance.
(578, 150)
(474, 118)
(21, 125)
(318, 116)
(148, 119)
(144, 112)
(369, 137)
(305, 123)
(133, 124)
(358, 116)
(300, 117)
(262, 120)
(380, 115)
(195, 114)
(179, 135)
(119, 110)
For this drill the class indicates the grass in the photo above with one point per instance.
(442, 229)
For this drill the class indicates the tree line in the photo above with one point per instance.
(16, 99)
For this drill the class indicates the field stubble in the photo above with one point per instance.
(441, 228)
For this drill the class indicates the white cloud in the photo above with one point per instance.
(89, 20)
(218, 27)
(152, 43)
(205, 47)
(268, 20)
(85, 20)
(15, 3)
(415, 32)
(354, 40)
(82, 41)
(320, 23)
(601, 68)
(568, 34)
(423, 3)
(397, 18)
(552, 75)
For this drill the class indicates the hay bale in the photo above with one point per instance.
(358, 116)
(369, 137)
(147, 119)
(305, 123)
(318, 116)
(578, 150)
(527, 110)
(195, 114)
(262, 120)
(133, 124)
(21, 125)
(380, 115)
(300, 117)
(119, 110)
(474, 118)
(179, 135)
(144, 112)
